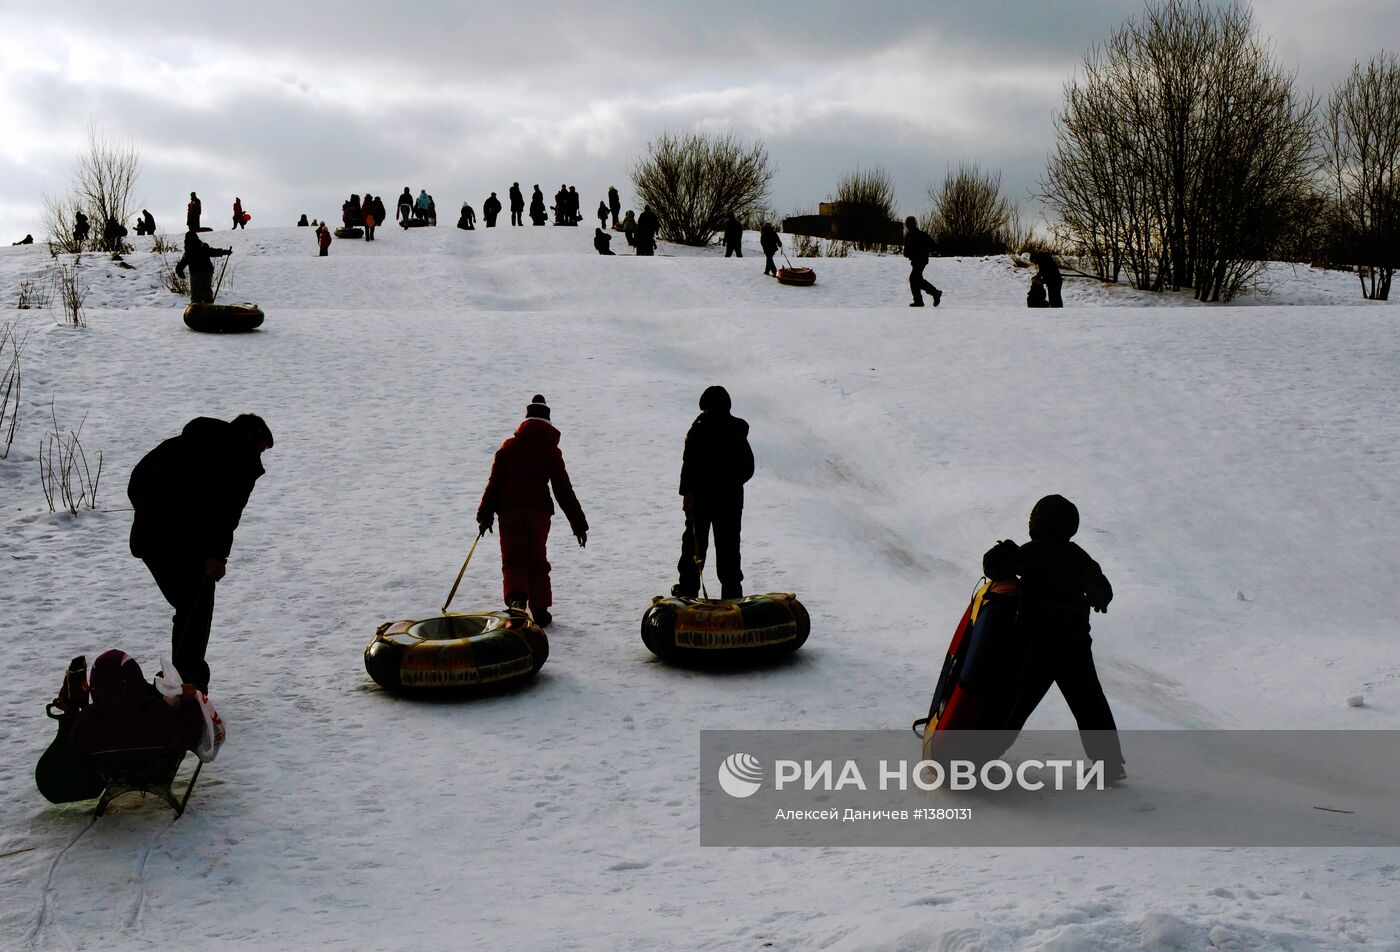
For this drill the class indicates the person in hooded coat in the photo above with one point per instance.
(614, 204)
(1060, 583)
(917, 248)
(467, 219)
(647, 227)
(380, 212)
(420, 207)
(517, 205)
(518, 491)
(129, 721)
(149, 221)
(629, 227)
(537, 212)
(602, 215)
(602, 242)
(405, 208)
(199, 258)
(733, 237)
(718, 461)
(189, 494)
(769, 241)
(490, 209)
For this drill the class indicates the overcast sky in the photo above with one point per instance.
(293, 105)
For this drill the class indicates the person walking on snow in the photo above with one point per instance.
(718, 461)
(769, 241)
(238, 221)
(517, 205)
(189, 494)
(323, 240)
(1060, 583)
(602, 215)
(917, 248)
(522, 472)
(405, 209)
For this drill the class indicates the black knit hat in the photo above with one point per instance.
(715, 398)
(537, 408)
(1054, 519)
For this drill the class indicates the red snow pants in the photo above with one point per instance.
(524, 562)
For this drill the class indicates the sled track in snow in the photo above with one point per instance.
(42, 921)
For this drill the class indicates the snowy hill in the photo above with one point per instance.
(1234, 467)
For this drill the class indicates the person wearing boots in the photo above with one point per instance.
(1060, 583)
(917, 248)
(199, 258)
(717, 462)
(518, 491)
(771, 244)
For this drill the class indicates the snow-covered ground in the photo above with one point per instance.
(1234, 467)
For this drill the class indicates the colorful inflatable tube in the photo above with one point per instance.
(223, 318)
(456, 652)
(725, 632)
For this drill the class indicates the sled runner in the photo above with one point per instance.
(725, 632)
(800, 277)
(154, 778)
(223, 318)
(457, 652)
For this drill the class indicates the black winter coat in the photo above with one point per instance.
(1059, 584)
(918, 246)
(718, 460)
(517, 200)
(189, 492)
(647, 223)
(198, 257)
(733, 233)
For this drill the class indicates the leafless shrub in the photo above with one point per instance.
(1183, 151)
(805, 246)
(865, 207)
(693, 181)
(1361, 158)
(71, 294)
(10, 389)
(164, 246)
(57, 216)
(970, 215)
(34, 294)
(838, 249)
(63, 468)
(169, 278)
(755, 214)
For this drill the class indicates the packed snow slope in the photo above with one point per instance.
(1234, 468)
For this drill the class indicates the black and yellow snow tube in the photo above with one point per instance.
(725, 632)
(223, 318)
(457, 653)
(349, 231)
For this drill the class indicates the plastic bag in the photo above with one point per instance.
(168, 683)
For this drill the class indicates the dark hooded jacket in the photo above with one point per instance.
(189, 492)
(128, 720)
(525, 467)
(1060, 582)
(517, 200)
(198, 256)
(718, 460)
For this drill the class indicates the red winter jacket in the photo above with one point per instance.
(521, 474)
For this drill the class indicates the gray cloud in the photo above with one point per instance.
(294, 105)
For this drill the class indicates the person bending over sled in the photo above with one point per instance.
(717, 462)
(1059, 584)
(522, 472)
(189, 494)
(129, 721)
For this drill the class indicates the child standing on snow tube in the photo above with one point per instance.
(522, 473)
(1060, 583)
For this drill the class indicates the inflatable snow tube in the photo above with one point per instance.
(223, 318)
(725, 632)
(347, 231)
(414, 223)
(798, 276)
(455, 652)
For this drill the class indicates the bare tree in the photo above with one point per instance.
(1361, 157)
(865, 207)
(1183, 152)
(693, 182)
(57, 218)
(970, 215)
(104, 179)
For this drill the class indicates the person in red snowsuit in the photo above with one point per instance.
(522, 473)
